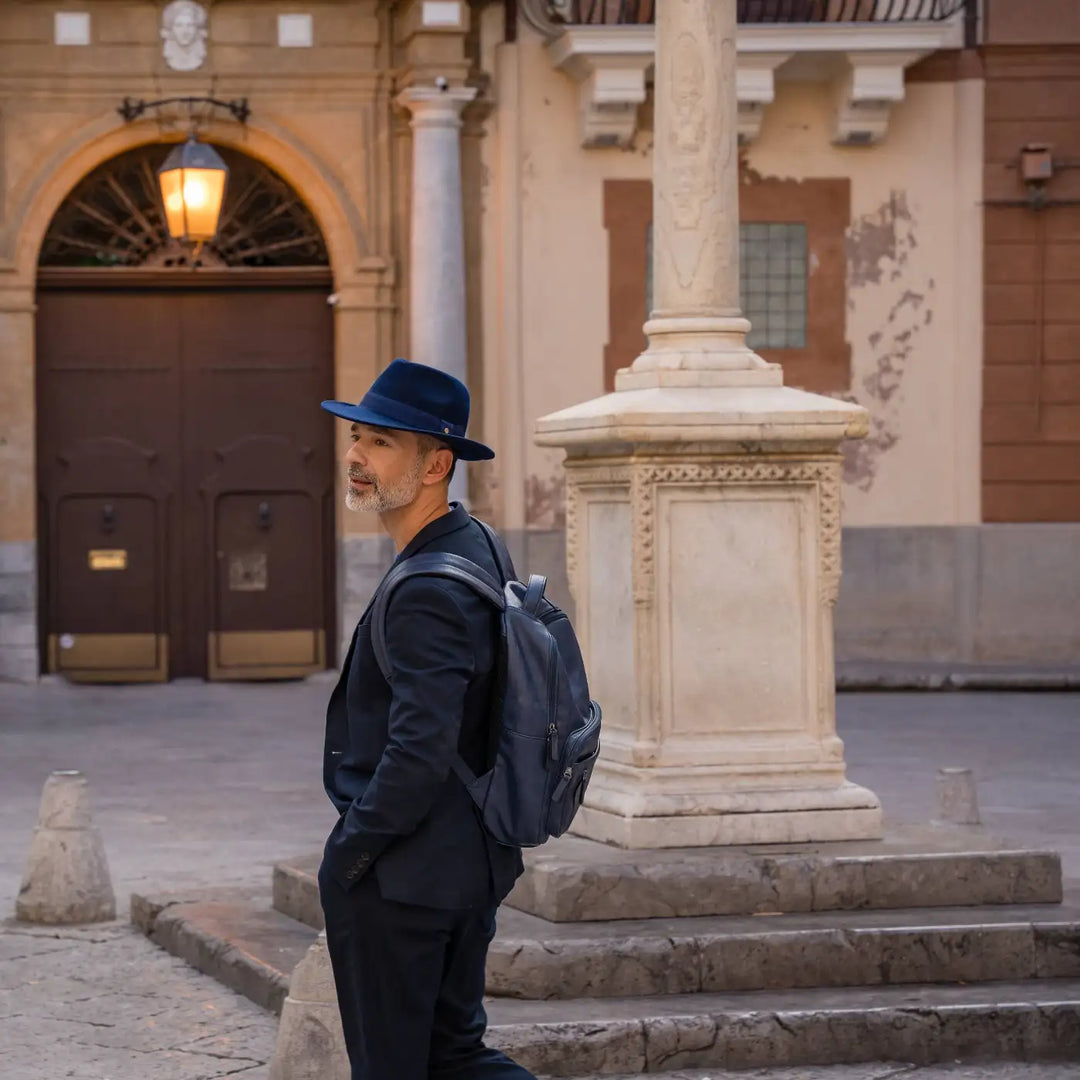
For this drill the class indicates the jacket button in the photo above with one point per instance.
(365, 857)
(350, 873)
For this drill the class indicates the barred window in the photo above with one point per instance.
(772, 282)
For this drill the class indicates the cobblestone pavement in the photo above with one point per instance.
(103, 1003)
(200, 785)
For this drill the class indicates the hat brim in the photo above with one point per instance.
(465, 449)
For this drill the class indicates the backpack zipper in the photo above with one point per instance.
(553, 674)
(580, 735)
(561, 786)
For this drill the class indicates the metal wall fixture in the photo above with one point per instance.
(193, 178)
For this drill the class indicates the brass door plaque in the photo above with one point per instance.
(248, 571)
(108, 559)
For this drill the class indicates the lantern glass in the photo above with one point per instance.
(192, 182)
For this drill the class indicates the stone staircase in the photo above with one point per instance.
(931, 946)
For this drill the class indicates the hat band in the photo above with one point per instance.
(414, 417)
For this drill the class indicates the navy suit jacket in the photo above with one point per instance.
(389, 745)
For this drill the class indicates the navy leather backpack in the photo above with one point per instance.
(545, 733)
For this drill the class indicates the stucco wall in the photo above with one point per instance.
(321, 118)
(914, 314)
(914, 281)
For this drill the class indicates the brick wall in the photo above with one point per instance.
(1031, 385)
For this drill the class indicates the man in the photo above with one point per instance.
(410, 880)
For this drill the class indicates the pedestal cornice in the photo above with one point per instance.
(766, 416)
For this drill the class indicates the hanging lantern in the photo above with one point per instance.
(192, 182)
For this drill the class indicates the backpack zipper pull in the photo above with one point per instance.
(553, 742)
(562, 785)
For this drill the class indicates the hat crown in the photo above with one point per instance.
(417, 386)
(414, 397)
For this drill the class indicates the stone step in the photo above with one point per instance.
(879, 1070)
(573, 880)
(239, 941)
(532, 958)
(1021, 1021)
(253, 950)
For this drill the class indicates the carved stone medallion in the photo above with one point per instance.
(183, 33)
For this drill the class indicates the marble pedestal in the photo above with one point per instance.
(703, 551)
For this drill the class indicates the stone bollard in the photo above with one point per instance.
(310, 1042)
(957, 801)
(67, 877)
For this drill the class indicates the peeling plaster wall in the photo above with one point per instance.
(914, 281)
(914, 278)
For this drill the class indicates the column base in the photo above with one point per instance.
(847, 812)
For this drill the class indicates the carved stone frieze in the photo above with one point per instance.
(823, 473)
(579, 478)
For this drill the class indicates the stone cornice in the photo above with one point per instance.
(611, 64)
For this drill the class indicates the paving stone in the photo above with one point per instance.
(105, 1003)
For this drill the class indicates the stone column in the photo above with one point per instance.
(695, 192)
(437, 251)
(703, 522)
(18, 484)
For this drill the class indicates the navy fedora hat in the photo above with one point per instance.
(415, 397)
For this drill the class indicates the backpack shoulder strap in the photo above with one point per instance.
(499, 550)
(434, 564)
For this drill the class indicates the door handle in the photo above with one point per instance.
(108, 519)
(265, 516)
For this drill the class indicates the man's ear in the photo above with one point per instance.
(439, 465)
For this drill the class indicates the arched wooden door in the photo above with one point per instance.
(185, 469)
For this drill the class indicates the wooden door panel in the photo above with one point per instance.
(107, 572)
(268, 610)
(184, 410)
(108, 566)
(107, 440)
(257, 364)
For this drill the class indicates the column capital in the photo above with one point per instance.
(433, 107)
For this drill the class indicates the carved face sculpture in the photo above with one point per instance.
(183, 32)
(185, 29)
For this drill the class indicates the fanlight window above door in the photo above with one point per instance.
(114, 217)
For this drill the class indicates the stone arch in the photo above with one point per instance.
(41, 195)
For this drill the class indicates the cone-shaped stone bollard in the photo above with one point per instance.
(310, 1042)
(67, 877)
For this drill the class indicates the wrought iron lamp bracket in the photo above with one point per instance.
(239, 109)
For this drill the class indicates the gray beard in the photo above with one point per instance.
(382, 498)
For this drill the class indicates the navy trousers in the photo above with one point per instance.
(410, 986)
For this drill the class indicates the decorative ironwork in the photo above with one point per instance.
(239, 109)
(114, 217)
(546, 13)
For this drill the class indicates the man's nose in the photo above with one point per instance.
(354, 455)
